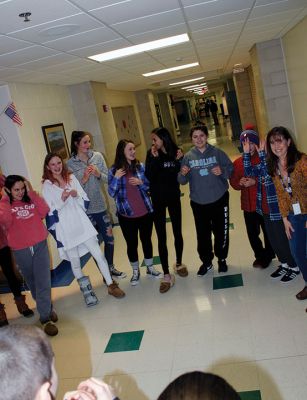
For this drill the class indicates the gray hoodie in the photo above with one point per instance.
(93, 186)
(205, 187)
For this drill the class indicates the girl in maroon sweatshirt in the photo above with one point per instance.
(21, 213)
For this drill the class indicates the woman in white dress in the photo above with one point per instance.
(70, 226)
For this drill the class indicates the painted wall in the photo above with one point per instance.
(12, 156)
(295, 52)
(114, 98)
(25, 149)
(40, 105)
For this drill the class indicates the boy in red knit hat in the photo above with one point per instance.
(248, 186)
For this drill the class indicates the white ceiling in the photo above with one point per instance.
(53, 47)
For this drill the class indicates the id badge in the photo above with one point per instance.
(296, 208)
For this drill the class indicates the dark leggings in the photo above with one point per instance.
(279, 241)
(7, 265)
(174, 210)
(130, 228)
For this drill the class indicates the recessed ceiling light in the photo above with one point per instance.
(164, 71)
(140, 48)
(188, 80)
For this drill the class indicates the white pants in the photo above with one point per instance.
(93, 248)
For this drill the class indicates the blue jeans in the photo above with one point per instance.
(103, 225)
(298, 241)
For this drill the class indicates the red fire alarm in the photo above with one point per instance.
(105, 108)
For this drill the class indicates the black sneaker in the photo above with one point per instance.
(279, 272)
(116, 273)
(203, 269)
(222, 266)
(289, 275)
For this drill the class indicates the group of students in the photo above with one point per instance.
(273, 187)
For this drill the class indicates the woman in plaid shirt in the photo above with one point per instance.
(129, 186)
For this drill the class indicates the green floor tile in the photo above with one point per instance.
(231, 226)
(156, 261)
(228, 281)
(124, 341)
(251, 395)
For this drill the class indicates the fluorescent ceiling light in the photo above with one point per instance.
(164, 71)
(140, 48)
(194, 86)
(188, 80)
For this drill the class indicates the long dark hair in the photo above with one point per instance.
(47, 174)
(120, 158)
(170, 146)
(293, 155)
(76, 137)
(202, 128)
(10, 181)
(198, 385)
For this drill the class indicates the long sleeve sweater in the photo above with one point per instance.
(162, 174)
(298, 179)
(92, 186)
(23, 221)
(205, 187)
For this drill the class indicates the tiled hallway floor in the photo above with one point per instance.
(242, 325)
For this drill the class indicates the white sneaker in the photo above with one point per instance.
(151, 271)
(135, 277)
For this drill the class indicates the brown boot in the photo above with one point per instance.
(3, 318)
(115, 291)
(22, 307)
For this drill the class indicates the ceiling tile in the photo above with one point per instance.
(22, 56)
(84, 39)
(57, 29)
(213, 8)
(224, 19)
(51, 10)
(278, 8)
(132, 10)
(150, 23)
(8, 45)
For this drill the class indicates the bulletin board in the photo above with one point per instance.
(126, 124)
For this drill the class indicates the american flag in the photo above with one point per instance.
(12, 113)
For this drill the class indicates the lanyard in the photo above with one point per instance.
(287, 188)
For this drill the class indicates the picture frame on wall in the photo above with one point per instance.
(55, 139)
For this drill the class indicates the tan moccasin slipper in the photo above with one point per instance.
(181, 270)
(166, 285)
